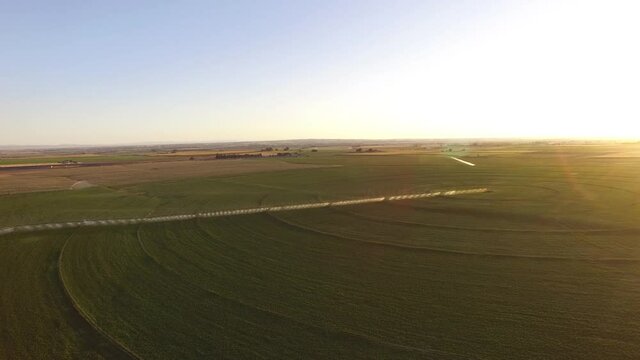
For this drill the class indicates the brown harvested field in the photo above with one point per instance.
(28, 164)
(391, 150)
(625, 154)
(202, 152)
(212, 153)
(17, 181)
(36, 180)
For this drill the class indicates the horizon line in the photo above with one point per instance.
(212, 142)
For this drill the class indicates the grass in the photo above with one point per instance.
(79, 158)
(546, 265)
(38, 320)
(59, 206)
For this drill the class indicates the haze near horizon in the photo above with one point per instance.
(122, 72)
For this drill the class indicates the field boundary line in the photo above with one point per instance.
(220, 213)
(86, 316)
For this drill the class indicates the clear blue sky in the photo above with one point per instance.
(90, 72)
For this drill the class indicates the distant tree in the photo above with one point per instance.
(359, 150)
(192, 158)
(174, 151)
(286, 148)
(314, 150)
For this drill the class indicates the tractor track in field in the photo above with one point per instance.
(219, 213)
(626, 231)
(408, 247)
(283, 317)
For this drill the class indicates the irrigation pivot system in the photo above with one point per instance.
(73, 224)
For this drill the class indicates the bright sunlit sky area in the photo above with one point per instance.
(116, 72)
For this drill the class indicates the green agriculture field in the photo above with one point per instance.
(78, 158)
(544, 266)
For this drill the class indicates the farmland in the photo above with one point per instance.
(544, 265)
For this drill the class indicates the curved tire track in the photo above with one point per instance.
(85, 315)
(444, 251)
(322, 329)
(625, 231)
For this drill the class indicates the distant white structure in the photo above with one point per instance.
(462, 161)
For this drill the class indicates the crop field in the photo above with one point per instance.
(26, 160)
(22, 181)
(546, 265)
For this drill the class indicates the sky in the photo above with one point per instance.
(121, 72)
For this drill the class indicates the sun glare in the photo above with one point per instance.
(546, 69)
